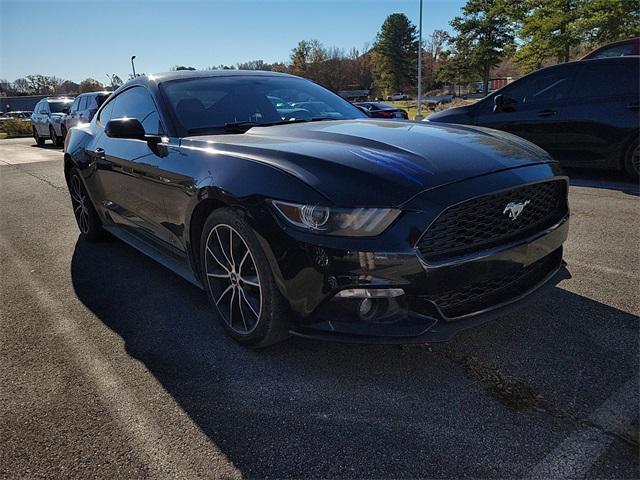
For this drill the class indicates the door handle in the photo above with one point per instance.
(546, 113)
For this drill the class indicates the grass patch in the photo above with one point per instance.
(14, 127)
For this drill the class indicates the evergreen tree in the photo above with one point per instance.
(395, 54)
(485, 34)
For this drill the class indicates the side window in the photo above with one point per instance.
(83, 103)
(615, 51)
(91, 102)
(608, 79)
(105, 113)
(44, 108)
(74, 105)
(137, 103)
(545, 86)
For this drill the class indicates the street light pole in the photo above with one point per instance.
(419, 112)
(133, 67)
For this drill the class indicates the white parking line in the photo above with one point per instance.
(574, 457)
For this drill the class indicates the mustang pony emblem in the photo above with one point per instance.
(515, 209)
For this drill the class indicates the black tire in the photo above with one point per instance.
(54, 138)
(39, 140)
(83, 210)
(632, 161)
(236, 264)
(63, 130)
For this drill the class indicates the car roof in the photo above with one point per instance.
(58, 99)
(102, 92)
(183, 74)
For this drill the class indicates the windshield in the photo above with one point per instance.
(57, 107)
(212, 104)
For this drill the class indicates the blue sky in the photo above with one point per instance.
(78, 39)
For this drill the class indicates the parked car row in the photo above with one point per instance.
(54, 116)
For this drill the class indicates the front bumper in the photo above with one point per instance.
(423, 321)
(310, 270)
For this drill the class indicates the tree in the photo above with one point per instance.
(255, 65)
(114, 80)
(68, 87)
(90, 85)
(548, 30)
(433, 47)
(485, 33)
(457, 68)
(177, 68)
(604, 21)
(395, 52)
(307, 59)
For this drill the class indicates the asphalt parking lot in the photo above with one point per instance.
(112, 366)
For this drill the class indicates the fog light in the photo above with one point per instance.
(370, 293)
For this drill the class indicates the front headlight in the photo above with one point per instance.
(350, 222)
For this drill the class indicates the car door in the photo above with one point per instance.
(43, 119)
(532, 106)
(128, 170)
(601, 113)
(72, 119)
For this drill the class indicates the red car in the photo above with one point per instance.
(616, 49)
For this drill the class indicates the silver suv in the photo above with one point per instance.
(47, 118)
(83, 108)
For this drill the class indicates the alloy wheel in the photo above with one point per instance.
(79, 201)
(232, 279)
(635, 159)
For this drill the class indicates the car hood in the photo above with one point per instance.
(376, 163)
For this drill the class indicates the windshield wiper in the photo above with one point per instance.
(244, 126)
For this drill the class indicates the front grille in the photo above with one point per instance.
(482, 223)
(494, 290)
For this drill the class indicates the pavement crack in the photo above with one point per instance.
(520, 396)
(38, 177)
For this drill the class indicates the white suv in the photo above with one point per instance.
(47, 118)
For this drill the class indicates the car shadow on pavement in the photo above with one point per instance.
(605, 179)
(313, 409)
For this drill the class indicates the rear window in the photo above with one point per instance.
(614, 51)
(58, 107)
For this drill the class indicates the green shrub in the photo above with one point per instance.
(15, 127)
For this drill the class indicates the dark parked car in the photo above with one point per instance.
(82, 110)
(352, 228)
(382, 110)
(585, 114)
(617, 49)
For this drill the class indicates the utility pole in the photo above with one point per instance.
(419, 112)
(133, 67)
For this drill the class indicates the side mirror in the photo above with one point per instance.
(130, 128)
(502, 103)
(498, 103)
(363, 110)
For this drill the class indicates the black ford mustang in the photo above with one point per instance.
(331, 225)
